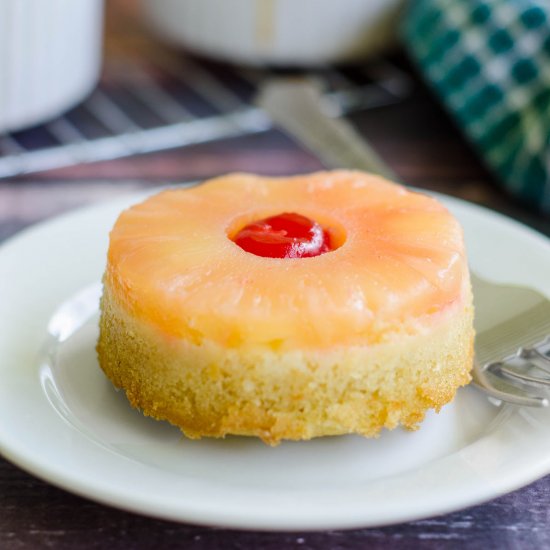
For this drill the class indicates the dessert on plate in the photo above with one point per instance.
(287, 308)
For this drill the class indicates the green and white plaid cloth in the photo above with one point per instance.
(489, 62)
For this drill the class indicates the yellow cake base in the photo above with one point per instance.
(207, 390)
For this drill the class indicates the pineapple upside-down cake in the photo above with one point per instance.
(287, 308)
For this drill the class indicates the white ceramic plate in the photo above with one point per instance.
(61, 420)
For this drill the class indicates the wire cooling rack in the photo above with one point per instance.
(156, 105)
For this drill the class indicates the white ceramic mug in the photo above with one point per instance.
(50, 57)
(277, 32)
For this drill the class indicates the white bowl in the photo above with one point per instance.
(50, 56)
(277, 32)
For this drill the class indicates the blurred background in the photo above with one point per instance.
(99, 99)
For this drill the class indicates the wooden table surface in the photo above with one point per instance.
(418, 140)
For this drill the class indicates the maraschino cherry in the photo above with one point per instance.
(286, 235)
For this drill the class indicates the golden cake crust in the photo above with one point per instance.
(207, 390)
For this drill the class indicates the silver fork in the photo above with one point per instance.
(512, 347)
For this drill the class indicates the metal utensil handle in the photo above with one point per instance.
(297, 105)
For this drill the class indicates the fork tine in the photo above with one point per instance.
(495, 386)
(508, 370)
(533, 354)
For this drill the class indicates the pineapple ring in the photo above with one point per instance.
(399, 258)
(220, 341)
